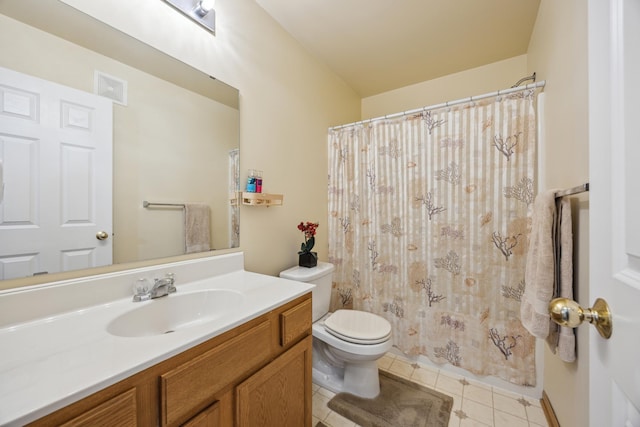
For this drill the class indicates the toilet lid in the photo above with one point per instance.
(359, 327)
(358, 341)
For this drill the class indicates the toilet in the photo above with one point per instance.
(347, 343)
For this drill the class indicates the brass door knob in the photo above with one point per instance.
(566, 312)
(102, 235)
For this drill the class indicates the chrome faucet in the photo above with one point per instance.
(161, 287)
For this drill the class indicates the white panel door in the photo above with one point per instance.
(614, 133)
(56, 154)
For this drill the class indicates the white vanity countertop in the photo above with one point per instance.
(51, 362)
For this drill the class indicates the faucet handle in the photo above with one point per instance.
(141, 290)
(172, 279)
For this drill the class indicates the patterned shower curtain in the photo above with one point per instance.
(429, 218)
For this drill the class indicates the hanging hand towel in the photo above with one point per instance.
(197, 229)
(562, 339)
(539, 273)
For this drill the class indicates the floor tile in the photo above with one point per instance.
(509, 405)
(326, 393)
(385, 362)
(506, 393)
(479, 384)
(478, 394)
(478, 411)
(536, 415)
(401, 368)
(336, 420)
(468, 422)
(319, 406)
(424, 376)
(449, 384)
(502, 419)
(457, 401)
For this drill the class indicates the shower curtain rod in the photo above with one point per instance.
(524, 79)
(444, 104)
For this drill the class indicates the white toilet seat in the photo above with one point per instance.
(359, 327)
(323, 334)
(358, 341)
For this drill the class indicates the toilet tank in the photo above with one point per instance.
(320, 276)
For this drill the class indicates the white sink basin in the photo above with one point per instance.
(174, 312)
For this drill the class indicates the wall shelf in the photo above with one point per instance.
(262, 199)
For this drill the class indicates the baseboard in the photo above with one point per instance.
(548, 411)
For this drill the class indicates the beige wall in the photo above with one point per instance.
(558, 53)
(477, 81)
(169, 144)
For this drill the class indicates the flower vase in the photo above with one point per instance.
(308, 259)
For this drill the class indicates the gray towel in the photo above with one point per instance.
(562, 340)
(197, 228)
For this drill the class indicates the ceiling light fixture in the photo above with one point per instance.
(200, 11)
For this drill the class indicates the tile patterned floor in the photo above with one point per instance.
(474, 404)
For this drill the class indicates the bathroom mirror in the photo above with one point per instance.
(175, 137)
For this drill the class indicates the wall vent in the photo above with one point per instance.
(110, 87)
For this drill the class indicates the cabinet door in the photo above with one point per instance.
(279, 395)
(209, 417)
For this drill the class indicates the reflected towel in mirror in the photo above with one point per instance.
(197, 228)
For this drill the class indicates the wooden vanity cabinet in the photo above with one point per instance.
(257, 374)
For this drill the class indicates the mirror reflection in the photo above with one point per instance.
(75, 172)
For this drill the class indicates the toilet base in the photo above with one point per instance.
(330, 382)
(361, 379)
(365, 385)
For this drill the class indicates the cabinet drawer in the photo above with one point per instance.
(295, 323)
(192, 386)
(119, 410)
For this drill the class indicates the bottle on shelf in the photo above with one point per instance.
(251, 181)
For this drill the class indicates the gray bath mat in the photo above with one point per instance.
(401, 403)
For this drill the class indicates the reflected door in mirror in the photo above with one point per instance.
(56, 154)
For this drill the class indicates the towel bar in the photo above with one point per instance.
(571, 191)
(146, 204)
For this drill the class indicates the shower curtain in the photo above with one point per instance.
(429, 218)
